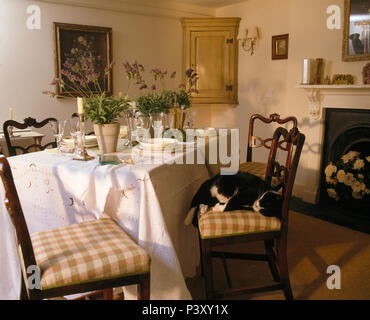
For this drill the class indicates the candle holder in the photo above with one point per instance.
(82, 154)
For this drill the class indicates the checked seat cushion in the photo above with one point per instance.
(85, 252)
(235, 223)
(256, 168)
(259, 170)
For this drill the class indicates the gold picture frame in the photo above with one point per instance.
(96, 39)
(351, 52)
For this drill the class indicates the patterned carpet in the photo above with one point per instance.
(313, 245)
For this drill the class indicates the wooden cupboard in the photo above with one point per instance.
(211, 48)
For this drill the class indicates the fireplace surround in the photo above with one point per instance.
(345, 130)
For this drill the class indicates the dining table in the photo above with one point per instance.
(147, 194)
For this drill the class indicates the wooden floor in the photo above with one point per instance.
(313, 245)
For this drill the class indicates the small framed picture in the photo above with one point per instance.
(280, 47)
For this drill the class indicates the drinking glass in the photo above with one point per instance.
(58, 132)
(131, 124)
(75, 132)
(190, 118)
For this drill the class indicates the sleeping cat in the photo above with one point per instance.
(242, 191)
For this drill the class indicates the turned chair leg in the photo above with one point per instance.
(208, 271)
(108, 294)
(23, 293)
(143, 288)
(272, 259)
(201, 257)
(283, 268)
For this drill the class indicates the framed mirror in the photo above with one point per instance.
(356, 31)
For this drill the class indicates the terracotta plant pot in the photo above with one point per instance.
(107, 136)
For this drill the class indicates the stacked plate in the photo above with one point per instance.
(90, 141)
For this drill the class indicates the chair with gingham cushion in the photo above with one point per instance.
(223, 228)
(235, 223)
(89, 256)
(254, 142)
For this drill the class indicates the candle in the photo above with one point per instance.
(80, 106)
(11, 113)
(307, 71)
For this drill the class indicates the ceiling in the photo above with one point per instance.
(211, 3)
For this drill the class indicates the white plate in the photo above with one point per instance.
(89, 140)
(158, 144)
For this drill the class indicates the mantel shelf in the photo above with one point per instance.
(316, 91)
(334, 86)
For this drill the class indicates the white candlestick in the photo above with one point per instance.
(307, 71)
(80, 106)
(11, 113)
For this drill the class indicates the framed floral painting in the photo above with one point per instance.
(280, 47)
(81, 53)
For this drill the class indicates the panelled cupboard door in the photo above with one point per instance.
(211, 49)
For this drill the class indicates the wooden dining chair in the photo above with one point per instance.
(225, 228)
(84, 257)
(254, 142)
(28, 122)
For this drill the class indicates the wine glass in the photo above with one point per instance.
(58, 132)
(75, 132)
(191, 118)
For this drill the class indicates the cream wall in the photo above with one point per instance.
(153, 37)
(262, 82)
(267, 86)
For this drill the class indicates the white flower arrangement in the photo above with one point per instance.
(349, 177)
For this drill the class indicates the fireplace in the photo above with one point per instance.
(345, 130)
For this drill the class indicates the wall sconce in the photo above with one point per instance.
(249, 43)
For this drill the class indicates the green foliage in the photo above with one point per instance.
(101, 109)
(183, 98)
(153, 103)
(180, 98)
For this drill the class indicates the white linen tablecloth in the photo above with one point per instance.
(149, 201)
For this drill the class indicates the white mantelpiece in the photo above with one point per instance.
(316, 92)
(322, 97)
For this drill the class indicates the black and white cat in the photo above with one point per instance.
(242, 191)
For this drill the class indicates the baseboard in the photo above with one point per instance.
(301, 192)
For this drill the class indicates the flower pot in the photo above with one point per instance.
(107, 136)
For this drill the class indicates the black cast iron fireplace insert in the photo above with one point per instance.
(345, 130)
